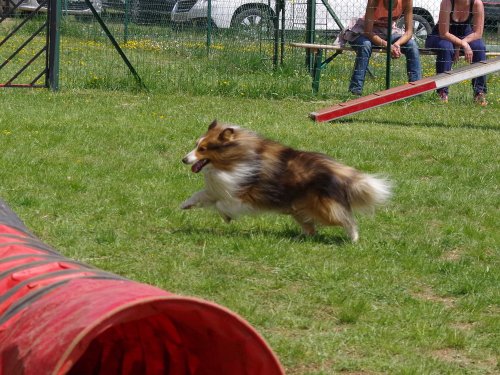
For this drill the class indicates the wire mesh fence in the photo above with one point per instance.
(223, 47)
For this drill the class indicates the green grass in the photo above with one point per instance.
(97, 175)
(171, 60)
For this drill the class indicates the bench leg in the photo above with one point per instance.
(319, 65)
(370, 72)
(316, 73)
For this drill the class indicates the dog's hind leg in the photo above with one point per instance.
(344, 217)
(333, 213)
(352, 229)
(200, 199)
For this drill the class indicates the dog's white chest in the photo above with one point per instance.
(222, 185)
(225, 188)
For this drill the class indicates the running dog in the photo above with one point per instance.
(246, 173)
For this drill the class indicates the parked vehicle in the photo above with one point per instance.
(246, 13)
(492, 14)
(74, 7)
(141, 11)
(259, 13)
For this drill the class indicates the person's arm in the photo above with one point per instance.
(444, 31)
(368, 28)
(408, 15)
(444, 22)
(477, 22)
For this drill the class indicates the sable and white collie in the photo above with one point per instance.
(245, 173)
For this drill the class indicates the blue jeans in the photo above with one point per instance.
(363, 47)
(445, 52)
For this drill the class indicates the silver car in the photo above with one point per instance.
(75, 7)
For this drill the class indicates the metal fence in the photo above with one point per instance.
(230, 47)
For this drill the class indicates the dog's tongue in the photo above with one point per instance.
(198, 166)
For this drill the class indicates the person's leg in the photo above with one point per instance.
(363, 48)
(444, 52)
(413, 68)
(444, 56)
(479, 54)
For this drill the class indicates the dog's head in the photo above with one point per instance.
(217, 147)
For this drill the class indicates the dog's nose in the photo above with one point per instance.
(185, 160)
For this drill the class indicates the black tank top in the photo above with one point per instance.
(468, 21)
(457, 28)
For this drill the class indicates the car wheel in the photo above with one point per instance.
(4, 8)
(421, 28)
(254, 21)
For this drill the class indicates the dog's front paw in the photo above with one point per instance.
(226, 218)
(187, 205)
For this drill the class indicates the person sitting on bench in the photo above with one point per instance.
(372, 30)
(460, 27)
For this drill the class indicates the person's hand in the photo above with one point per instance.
(395, 51)
(467, 52)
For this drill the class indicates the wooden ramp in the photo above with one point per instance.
(405, 91)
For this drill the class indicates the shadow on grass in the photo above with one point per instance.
(291, 235)
(421, 124)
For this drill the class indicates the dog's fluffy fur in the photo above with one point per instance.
(245, 173)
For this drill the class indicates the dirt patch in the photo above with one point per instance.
(463, 326)
(452, 355)
(453, 255)
(486, 365)
(299, 370)
(427, 294)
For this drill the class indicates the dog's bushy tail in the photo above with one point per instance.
(368, 191)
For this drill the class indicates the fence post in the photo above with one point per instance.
(279, 42)
(310, 31)
(126, 21)
(54, 15)
(389, 44)
(209, 26)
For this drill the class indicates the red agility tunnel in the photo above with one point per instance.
(60, 316)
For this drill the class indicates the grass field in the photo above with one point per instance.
(98, 175)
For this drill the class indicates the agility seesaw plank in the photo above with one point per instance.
(405, 91)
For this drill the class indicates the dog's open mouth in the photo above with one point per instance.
(198, 166)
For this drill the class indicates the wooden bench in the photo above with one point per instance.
(318, 50)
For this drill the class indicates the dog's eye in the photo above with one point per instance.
(202, 149)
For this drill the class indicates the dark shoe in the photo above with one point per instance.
(443, 96)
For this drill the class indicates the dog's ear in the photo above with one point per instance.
(226, 135)
(212, 125)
